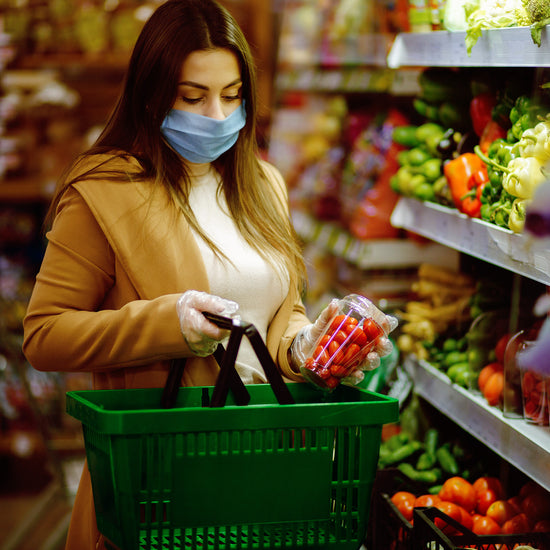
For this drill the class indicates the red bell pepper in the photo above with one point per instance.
(493, 130)
(466, 175)
(481, 108)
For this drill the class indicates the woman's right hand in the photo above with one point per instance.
(201, 335)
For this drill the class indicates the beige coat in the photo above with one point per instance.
(104, 301)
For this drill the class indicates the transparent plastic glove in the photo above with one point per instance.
(306, 338)
(201, 335)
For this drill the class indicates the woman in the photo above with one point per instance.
(169, 214)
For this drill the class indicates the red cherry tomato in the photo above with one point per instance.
(358, 336)
(371, 329)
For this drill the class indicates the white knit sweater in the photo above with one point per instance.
(253, 283)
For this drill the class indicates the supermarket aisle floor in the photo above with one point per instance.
(39, 521)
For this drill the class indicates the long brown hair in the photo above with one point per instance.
(174, 30)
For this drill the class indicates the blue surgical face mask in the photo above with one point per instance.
(199, 138)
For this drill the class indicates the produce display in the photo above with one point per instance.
(485, 157)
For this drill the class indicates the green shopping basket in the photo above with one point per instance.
(264, 475)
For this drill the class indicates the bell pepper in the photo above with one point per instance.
(522, 175)
(465, 174)
(481, 108)
(535, 142)
(516, 221)
(492, 131)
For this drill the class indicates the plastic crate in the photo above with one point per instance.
(239, 477)
(426, 535)
(389, 530)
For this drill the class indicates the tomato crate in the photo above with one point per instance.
(388, 528)
(451, 535)
(236, 477)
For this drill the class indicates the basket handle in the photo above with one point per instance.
(227, 365)
(173, 382)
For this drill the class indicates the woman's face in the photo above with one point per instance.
(210, 84)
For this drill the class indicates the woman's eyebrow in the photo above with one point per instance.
(203, 87)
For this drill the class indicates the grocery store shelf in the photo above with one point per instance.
(516, 252)
(524, 445)
(370, 254)
(28, 189)
(349, 80)
(496, 48)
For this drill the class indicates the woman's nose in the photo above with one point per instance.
(215, 110)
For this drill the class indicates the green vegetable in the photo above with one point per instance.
(539, 16)
(397, 440)
(424, 131)
(446, 460)
(431, 439)
(406, 136)
(422, 476)
(417, 156)
(426, 461)
(405, 452)
(454, 357)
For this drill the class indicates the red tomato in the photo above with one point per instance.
(350, 354)
(486, 372)
(460, 491)
(340, 336)
(450, 509)
(426, 500)
(529, 488)
(466, 518)
(358, 336)
(335, 352)
(536, 506)
(484, 500)
(338, 322)
(501, 511)
(404, 502)
(542, 526)
(518, 524)
(483, 525)
(372, 330)
(325, 340)
(500, 347)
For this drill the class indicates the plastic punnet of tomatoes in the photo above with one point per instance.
(435, 529)
(356, 329)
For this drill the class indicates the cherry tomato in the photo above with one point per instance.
(340, 336)
(371, 329)
(350, 355)
(325, 340)
(460, 491)
(483, 525)
(358, 336)
(338, 322)
(335, 352)
(404, 502)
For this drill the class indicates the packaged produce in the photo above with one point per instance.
(357, 328)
